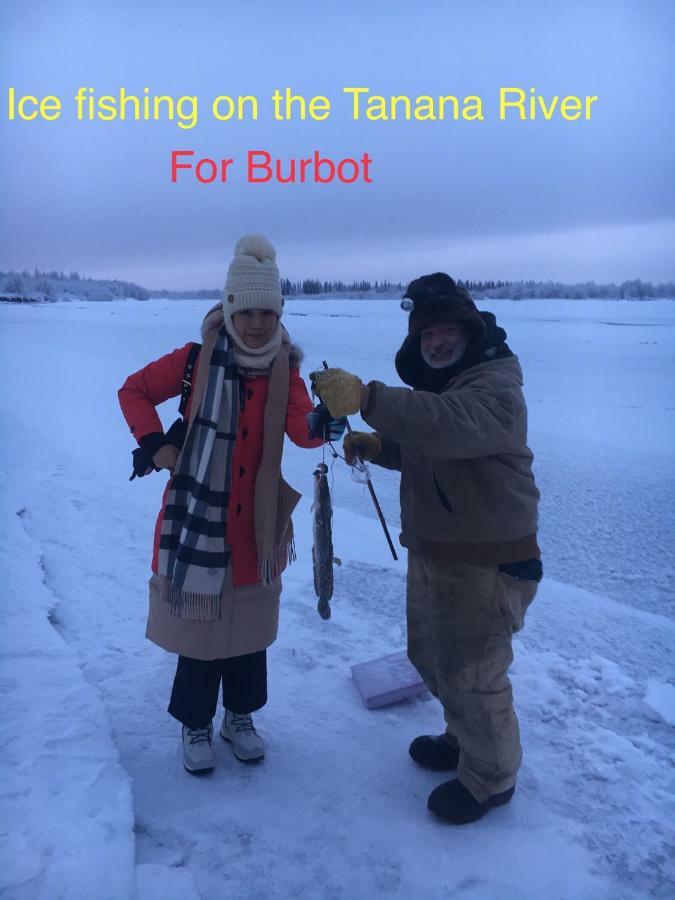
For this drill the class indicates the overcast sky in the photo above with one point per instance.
(563, 200)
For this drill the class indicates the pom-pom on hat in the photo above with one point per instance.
(253, 277)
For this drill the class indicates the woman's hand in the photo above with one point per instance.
(166, 457)
(142, 463)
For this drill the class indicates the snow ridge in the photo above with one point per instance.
(66, 801)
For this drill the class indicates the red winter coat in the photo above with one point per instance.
(162, 379)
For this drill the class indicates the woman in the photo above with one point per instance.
(224, 532)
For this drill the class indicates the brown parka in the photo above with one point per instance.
(467, 489)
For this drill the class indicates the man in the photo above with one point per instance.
(469, 521)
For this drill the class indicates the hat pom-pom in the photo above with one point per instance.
(255, 245)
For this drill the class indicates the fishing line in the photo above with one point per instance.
(332, 473)
(335, 456)
(335, 453)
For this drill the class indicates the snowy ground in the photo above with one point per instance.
(95, 803)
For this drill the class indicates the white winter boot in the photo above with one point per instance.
(198, 756)
(247, 744)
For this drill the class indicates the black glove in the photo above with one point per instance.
(142, 461)
(142, 456)
(151, 443)
(176, 434)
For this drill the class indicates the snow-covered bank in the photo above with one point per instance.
(337, 809)
(67, 809)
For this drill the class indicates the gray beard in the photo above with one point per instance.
(457, 354)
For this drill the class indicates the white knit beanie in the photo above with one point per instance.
(253, 277)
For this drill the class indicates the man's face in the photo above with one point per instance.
(442, 345)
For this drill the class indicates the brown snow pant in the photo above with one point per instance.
(460, 621)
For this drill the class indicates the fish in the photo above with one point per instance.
(322, 549)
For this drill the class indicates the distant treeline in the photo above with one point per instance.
(495, 290)
(635, 289)
(201, 294)
(314, 286)
(27, 287)
(393, 289)
(309, 287)
(50, 286)
(489, 289)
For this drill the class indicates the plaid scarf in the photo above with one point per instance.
(193, 556)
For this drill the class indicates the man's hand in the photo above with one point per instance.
(362, 444)
(341, 391)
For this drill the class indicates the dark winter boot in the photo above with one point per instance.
(434, 752)
(453, 803)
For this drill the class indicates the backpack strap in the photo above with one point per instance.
(193, 353)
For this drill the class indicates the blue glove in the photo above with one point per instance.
(336, 428)
(321, 424)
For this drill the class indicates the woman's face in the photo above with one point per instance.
(255, 326)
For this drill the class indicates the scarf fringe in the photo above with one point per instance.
(197, 607)
(268, 570)
(207, 607)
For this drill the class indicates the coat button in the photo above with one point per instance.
(249, 393)
(244, 433)
(242, 471)
(238, 508)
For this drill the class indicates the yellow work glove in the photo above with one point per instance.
(339, 390)
(366, 446)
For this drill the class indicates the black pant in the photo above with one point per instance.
(194, 697)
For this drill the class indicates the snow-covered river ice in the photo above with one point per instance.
(95, 802)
